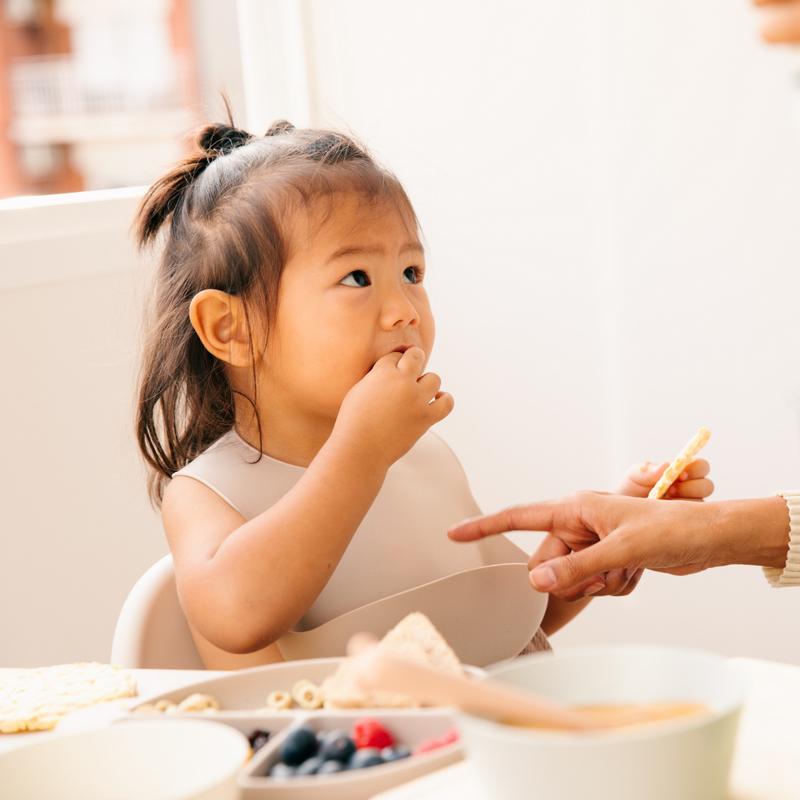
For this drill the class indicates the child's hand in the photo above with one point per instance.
(692, 484)
(393, 405)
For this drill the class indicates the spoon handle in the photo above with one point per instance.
(375, 670)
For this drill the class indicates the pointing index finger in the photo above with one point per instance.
(533, 517)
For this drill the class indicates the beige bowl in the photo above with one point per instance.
(682, 759)
(174, 760)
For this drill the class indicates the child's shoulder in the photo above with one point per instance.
(230, 448)
(248, 480)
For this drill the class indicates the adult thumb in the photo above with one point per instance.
(568, 572)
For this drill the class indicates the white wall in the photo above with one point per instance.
(609, 192)
(76, 529)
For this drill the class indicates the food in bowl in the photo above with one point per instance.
(688, 758)
(615, 717)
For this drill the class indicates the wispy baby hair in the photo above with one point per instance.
(224, 212)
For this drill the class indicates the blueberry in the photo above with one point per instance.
(298, 746)
(258, 739)
(395, 753)
(329, 767)
(365, 757)
(280, 770)
(337, 746)
(309, 766)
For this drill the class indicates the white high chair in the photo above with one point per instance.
(152, 632)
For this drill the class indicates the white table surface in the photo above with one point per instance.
(766, 767)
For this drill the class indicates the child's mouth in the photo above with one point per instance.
(401, 348)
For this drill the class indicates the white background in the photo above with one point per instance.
(610, 195)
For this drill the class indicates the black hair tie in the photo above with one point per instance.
(223, 139)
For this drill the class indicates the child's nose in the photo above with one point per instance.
(398, 311)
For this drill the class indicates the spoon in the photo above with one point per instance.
(373, 669)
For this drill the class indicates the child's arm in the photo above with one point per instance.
(244, 584)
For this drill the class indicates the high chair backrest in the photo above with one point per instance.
(152, 632)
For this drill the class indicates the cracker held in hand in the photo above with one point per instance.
(414, 638)
(35, 700)
(674, 470)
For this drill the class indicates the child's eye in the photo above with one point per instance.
(357, 278)
(411, 275)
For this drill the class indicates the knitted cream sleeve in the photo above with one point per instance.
(790, 574)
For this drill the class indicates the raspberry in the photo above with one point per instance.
(435, 743)
(450, 736)
(368, 732)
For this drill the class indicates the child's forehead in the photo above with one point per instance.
(343, 218)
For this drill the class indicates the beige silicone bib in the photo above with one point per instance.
(400, 559)
(488, 614)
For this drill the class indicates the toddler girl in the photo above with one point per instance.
(284, 406)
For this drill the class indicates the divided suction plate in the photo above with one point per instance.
(242, 696)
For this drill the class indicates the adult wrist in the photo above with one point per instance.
(754, 532)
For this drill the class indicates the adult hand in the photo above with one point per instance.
(781, 23)
(599, 533)
(617, 581)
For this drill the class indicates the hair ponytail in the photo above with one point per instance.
(165, 195)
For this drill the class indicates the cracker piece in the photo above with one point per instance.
(683, 459)
(414, 638)
(35, 700)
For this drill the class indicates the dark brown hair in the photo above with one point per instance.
(225, 211)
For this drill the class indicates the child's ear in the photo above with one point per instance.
(220, 321)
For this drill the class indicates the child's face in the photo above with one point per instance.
(350, 293)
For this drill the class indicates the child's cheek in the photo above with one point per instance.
(428, 337)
